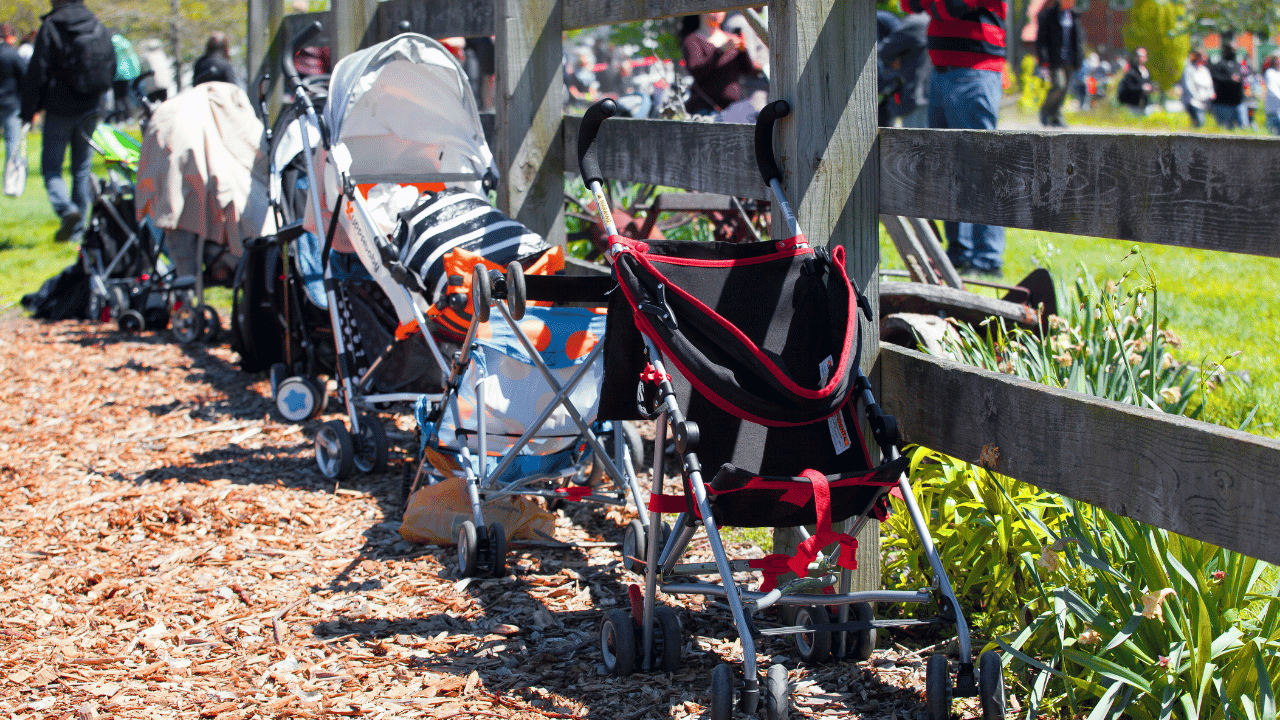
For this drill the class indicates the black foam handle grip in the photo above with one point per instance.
(299, 40)
(764, 139)
(591, 122)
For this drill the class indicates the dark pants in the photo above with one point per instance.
(59, 132)
(1051, 110)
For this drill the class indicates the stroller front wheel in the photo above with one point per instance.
(468, 549)
(299, 399)
(937, 688)
(777, 693)
(131, 321)
(371, 446)
(618, 642)
(497, 550)
(814, 647)
(335, 453)
(634, 549)
(210, 324)
(186, 323)
(721, 692)
(991, 686)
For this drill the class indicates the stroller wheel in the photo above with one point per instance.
(185, 324)
(635, 447)
(210, 324)
(481, 295)
(937, 688)
(131, 321)
(668, 640)
(98, 309)
(334, 452)
(618, 642)
(777, 694)
(814, 647)
(157, 318)
(634, 550)
(861, 643)
(468, 549)
(721, 692)
(515, 289)
(497, 550)
(371, 446)
(299, 399)
(991, 686)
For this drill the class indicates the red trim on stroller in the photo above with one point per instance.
(835, 381)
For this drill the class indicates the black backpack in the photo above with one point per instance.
(89, 62)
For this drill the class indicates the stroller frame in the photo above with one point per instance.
(488, 288)
(654, 624)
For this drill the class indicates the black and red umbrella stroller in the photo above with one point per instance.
(747, 354)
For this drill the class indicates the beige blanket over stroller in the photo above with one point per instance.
(195, 171)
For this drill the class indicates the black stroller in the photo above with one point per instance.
(761, 343)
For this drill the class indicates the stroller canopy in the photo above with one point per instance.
(405, 112)
(195, 171)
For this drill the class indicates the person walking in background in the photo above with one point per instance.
(1060, 49)
(1271, 83)
(967, 48)
(1197, 86)
(27, 46)
(215, 64)
(1228, 90)
(1135, 87)
(716, 60)
(904, 58)
(72, 67)
(128, 67)
(12, 68)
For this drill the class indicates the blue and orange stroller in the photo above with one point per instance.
(748, 355)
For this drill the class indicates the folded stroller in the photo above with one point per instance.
(130, 281)
(520, 412)
(761, 340)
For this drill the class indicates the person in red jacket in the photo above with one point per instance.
(966, 46)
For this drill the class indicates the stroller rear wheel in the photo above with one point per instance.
(481, 294)
(721, 692)
(186, 323)
(335, 453)
(157, 318)
(669, 639)
(861, 643)
(777, 693)
(497, 537)
(633, 547)
(299, 399)
(618, 642)
(131, 321)
(814, 647)
(937, 688)
(210, 324)
(468, 549)
(370, 446)
(515, 289)
(991, 686)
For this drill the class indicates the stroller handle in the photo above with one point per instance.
(588, 165)
(297, 41)
(769, 170)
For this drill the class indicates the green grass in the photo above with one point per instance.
(1217, 303)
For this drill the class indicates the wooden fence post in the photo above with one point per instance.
(530, 112)
(348, 26)
(823, 63)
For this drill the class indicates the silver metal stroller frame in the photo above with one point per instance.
(658, 630)
(481, 546)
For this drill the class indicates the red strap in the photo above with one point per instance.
(574, 493)
(668, 504)
(824, 535)
(651, 375)
(407, 330)
(771, 566)
(636, 596)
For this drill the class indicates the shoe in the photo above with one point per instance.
(978, 273)
(68, 227)
(1058, 123)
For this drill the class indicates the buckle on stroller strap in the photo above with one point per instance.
(661, 310)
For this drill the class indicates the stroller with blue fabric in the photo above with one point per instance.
(748, 356)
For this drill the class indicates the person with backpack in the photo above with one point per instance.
(72, 64)
(12, 68)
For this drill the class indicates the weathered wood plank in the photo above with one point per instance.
(970, 307)
(1190, 477)
(434, 18)
(530, 98)
(590, 13)
(704, 157)
(1197, 191)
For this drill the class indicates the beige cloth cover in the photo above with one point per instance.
(195, 171)
(435, 512)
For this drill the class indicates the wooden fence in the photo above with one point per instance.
(1213, 193)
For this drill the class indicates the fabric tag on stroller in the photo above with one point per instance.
(452, 309)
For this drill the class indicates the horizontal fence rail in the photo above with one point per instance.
(591, 13)
(433, 18)
(1195, 191)
(1200, 480)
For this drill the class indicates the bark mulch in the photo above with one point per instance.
(169, 550)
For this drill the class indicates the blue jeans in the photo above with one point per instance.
(964, 98)
(1273, 122)
(1196, 114)
(59, 132)
(1231, 117)
(12, 129)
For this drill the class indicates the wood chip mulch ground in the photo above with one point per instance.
(169, 550)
